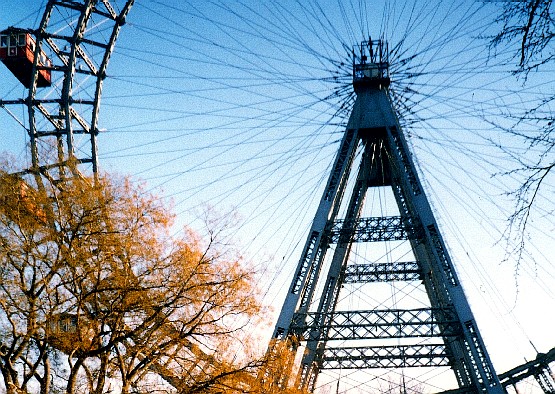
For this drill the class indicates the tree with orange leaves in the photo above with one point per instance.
(96, 296)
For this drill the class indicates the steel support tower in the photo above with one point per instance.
(374, 159)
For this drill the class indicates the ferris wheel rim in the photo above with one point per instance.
(67, 113)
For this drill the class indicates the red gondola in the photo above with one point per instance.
(17, 52)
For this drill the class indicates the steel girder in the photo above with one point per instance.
(429, 355)
(389, 323)
(383, 272)
(372, 229)
(538, 368)
(302, 288)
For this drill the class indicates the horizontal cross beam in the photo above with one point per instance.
(372, 229)
(389, 323)
(382, 272)
(431, 355)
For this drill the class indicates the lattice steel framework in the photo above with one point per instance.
(538, 368)
(373, 155)
(62, 124)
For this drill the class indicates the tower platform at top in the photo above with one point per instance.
(371, 65)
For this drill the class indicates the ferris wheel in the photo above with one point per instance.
(244, 106)
(63, 65)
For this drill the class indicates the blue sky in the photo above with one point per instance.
(233, 106)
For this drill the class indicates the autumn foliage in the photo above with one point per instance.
(97, 297)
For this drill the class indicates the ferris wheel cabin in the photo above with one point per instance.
(17, 52)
